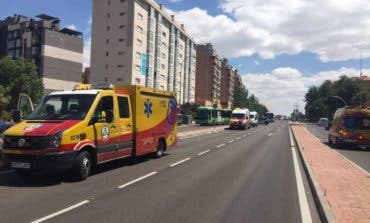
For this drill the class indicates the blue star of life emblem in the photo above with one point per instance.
(148, 108)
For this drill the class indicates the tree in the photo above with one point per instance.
(319, 102)
(19, 76)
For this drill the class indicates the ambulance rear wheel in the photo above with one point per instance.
(82, 166)
(160, 149)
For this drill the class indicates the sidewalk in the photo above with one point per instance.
(346, 188)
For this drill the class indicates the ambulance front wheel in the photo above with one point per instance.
(82, 166)
(160, 149)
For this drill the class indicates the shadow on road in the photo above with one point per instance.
(43, 179)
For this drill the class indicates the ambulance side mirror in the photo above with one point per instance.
(109, 116)
(16, 116)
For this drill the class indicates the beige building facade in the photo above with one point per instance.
(138, 42)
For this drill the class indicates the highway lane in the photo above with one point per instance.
(227, 173)
(358, 156)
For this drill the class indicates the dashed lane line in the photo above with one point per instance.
(60, 212)
(204, 152)
(136, 180)
(219, 146)
(231, 141)
(179, 162)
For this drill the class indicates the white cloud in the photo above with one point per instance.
(333, 30)
(282, 88)
(72, 26)
(257, 63)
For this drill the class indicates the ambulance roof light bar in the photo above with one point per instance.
(94, 86)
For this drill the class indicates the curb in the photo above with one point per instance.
(199, 134)
(323, 207)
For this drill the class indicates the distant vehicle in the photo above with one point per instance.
(270, 116)
(206, 115)
(240, 119)
(351, 126)
(323, 122)
(253, 115)
(263, 120)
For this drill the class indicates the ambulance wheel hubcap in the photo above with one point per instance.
(86, 165)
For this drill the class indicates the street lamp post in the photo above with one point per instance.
(341, 99)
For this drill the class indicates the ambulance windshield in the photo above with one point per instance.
(63, 107)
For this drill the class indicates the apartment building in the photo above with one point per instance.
(57, 52)
(227, 84)
(208, 76)
(138, 42)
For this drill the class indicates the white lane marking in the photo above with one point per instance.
(270, 134)
(219, 146)
(136, 180)
(249, 134)
(238, 138)
(303, 204)
(179, 162)
(244, 135)
(60, 212)
(231, 141)
(7, 171)
(204, 152)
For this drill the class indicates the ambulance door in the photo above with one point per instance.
(125, 139)
(106, 127)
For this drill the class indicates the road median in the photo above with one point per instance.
(340, 189)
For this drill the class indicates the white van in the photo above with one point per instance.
(253, 115)
(240, 119)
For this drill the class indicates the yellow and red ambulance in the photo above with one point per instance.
(90, 125)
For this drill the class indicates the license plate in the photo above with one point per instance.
(20, 165)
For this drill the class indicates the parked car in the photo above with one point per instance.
(323, 122)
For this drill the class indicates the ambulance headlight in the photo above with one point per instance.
(56, 140)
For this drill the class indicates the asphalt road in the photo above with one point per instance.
(358, 156)
(228, 176)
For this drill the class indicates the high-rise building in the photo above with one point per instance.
(227, 84)
(208, 85)
(56, 52)
(138, 42)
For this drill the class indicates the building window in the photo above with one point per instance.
(106, 66)
(10, 35)
(163, 56)
(108, 28)
(34, 50)
(138, 68)
(108, 15)
(163, 66)
(138, 55)
(119, 79)
(140, 16)
(139, 29)
(17, 53)
(108, 2)
(122, 13)
(15, 34)
(137, 80)
(164, 34)
(139, 42)
(164, 44)
(123, 0)
(121, 52)
(107, 53)
(121, 40)
(122, 26)
(180, 55)
(121, 66)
